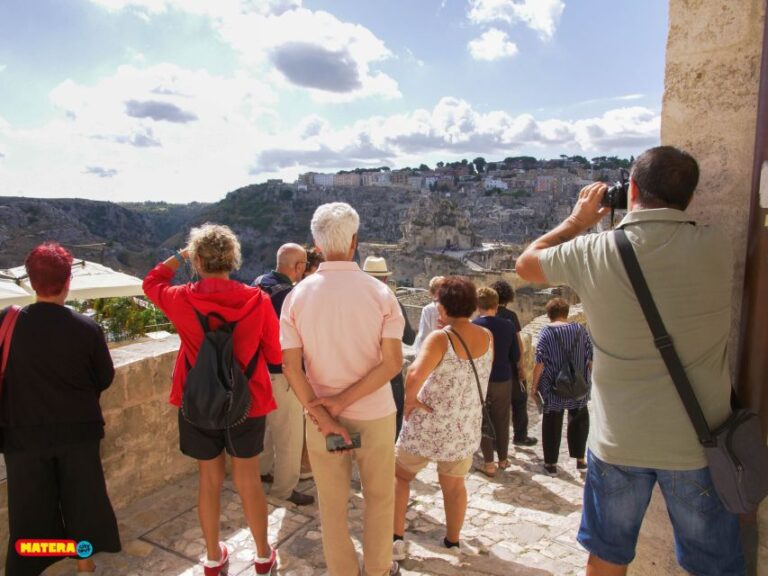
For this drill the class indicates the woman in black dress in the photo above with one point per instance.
(58, 365)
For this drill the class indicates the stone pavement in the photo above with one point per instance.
(522, 522)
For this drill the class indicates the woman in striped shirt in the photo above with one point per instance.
(557, 342)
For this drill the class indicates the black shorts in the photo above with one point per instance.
(58, 493)
(245, 440)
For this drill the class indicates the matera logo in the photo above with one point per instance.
(36, 547)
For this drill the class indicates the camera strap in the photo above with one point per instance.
(661, 338)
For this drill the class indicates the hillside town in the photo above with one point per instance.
(508, 201)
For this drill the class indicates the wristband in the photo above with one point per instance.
(179, 257)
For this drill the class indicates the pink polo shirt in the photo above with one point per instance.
(339, 316)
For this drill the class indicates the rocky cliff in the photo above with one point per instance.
(133, 237)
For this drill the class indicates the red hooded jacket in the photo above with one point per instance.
(252, 310)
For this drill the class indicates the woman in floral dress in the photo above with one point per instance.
(443, 409)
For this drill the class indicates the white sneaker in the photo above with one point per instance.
(398, 550)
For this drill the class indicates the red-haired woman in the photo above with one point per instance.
(58, 365)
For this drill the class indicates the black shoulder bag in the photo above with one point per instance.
(487, 429)
(736, 451)
(569, 382)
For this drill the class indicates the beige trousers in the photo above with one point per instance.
(333, 474)
(283, 440)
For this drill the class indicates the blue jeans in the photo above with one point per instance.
(707, 536)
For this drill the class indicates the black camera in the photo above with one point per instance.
(616, 196)
(335, 443)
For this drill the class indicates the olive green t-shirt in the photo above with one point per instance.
(638, 418)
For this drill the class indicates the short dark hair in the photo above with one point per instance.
(557, 308)
(505, 292)
(665, 177)
(314, 258)
(49, 267)
(458, 296)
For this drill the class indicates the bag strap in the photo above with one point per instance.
(450, 330)
(662, 339)
(251, 368)
(560, 341)
(203, 319)
(6, 334)
(205, 323)
(568, 351)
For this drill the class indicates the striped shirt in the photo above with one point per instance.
(552, 354)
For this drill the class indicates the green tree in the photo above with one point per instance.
(479, 163)
(523, 162)
(128, 318)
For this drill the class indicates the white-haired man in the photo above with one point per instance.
(347, 328)
(280, 462)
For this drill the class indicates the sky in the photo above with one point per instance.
(186, 100)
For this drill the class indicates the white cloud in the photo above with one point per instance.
(539, 15)
(136, 152)
(452, 128)
(101, 147)
(411, 58)
(624, 98)
(212, 8)
(312, 126)
(100, 171)
(312, 50)
(3, 67)
(492, 45)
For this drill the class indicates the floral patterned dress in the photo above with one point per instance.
(451, 432)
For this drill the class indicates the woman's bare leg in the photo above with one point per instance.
(455, 502)
(245, 474)
(211, 480)
(402, 493)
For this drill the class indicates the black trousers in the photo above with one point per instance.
(552, 432)
(519, 409)
(498, 399)
(57, 493)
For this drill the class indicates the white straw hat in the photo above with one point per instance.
(376, 266)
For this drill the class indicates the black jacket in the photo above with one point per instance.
(58, 365)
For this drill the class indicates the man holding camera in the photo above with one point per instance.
(641, 433)
(347, 327)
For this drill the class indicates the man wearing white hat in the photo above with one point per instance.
(376, 266)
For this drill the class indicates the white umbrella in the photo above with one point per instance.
(89, 280)
(12, 292)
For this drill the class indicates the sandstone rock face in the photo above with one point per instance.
(435, 223)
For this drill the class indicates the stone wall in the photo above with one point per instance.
(710, 108)
(140, 451)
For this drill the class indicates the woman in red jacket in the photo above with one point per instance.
(214, 252)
